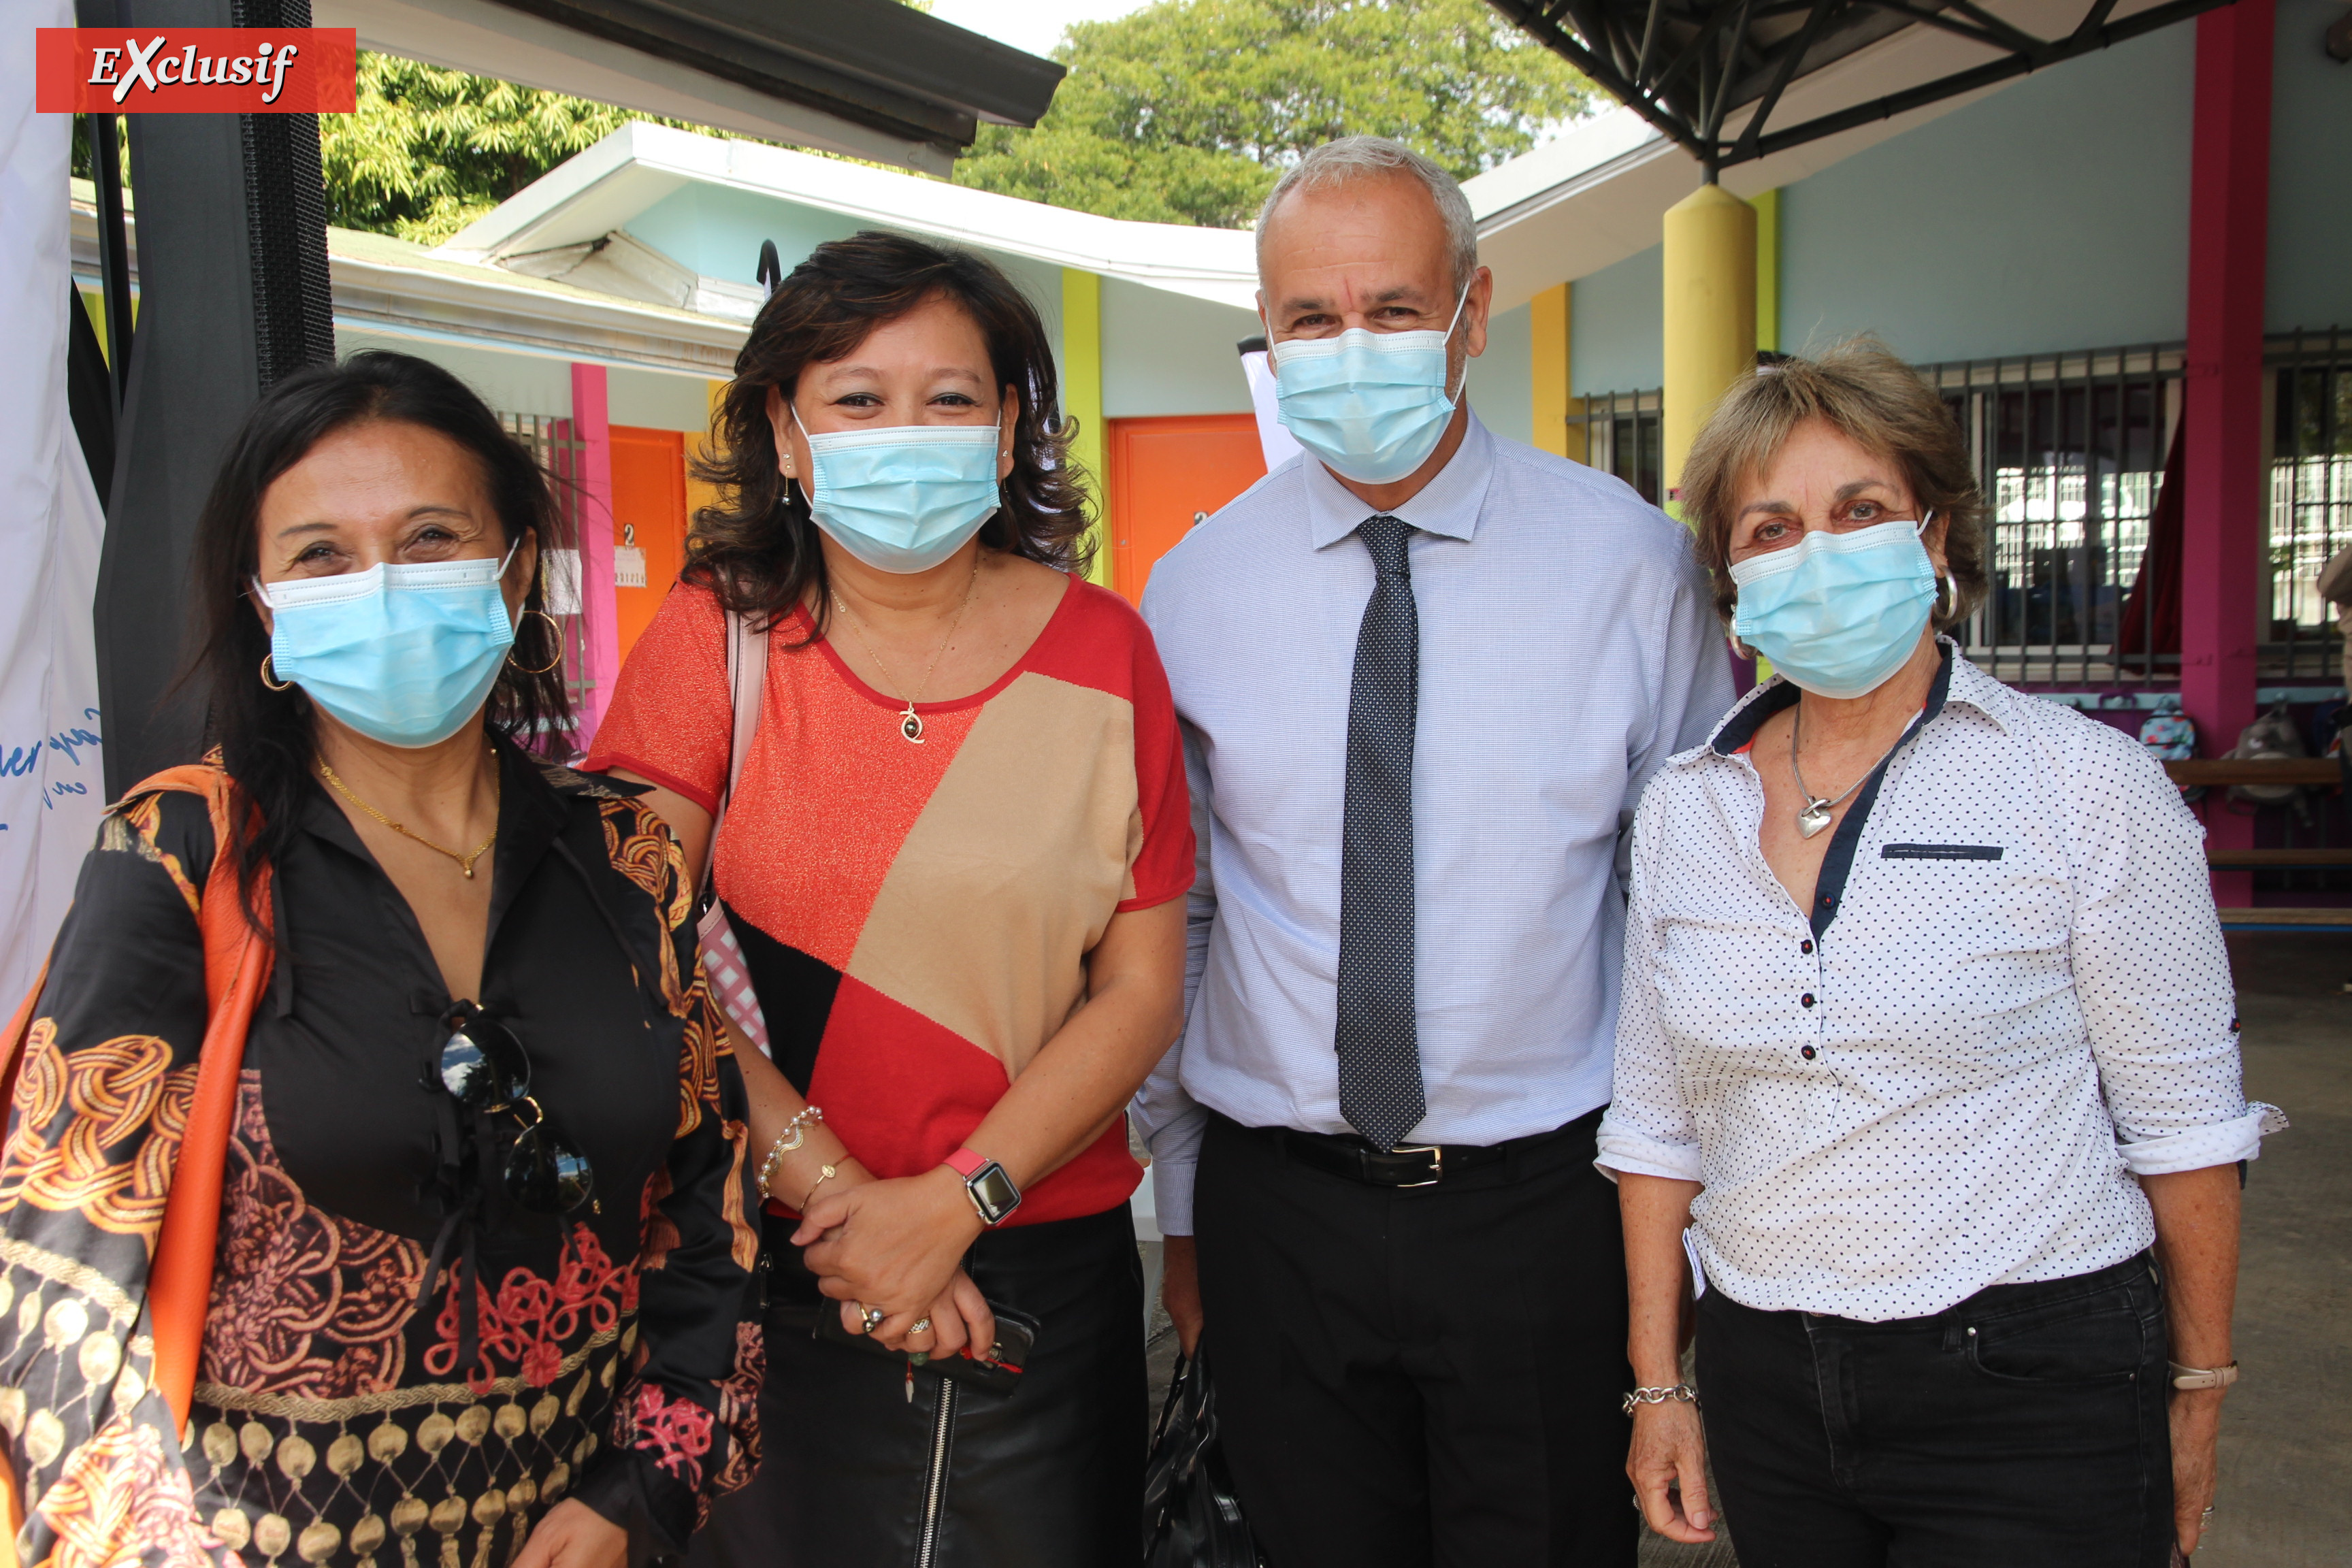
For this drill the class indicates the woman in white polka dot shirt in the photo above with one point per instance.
(1926, 1061)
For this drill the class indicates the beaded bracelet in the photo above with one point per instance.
(794, 1134)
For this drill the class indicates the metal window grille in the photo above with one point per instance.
(2069, 451)
(559, 452)
(2310, 428)
(1621, 436)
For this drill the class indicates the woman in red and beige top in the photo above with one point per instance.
(953, 860)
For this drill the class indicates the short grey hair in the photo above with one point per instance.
(1353, 158)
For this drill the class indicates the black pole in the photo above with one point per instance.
(113, 248)
(233, 295)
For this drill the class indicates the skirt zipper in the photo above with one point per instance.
(926, 1546)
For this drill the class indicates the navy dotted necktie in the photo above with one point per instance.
(1381, 1090)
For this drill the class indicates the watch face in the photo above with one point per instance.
(993, 1192)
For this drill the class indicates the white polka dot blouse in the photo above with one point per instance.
(2010, 1000)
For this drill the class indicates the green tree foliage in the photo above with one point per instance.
(1187, 110)
(430, 149)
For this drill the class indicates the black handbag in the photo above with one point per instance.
(1191, 1515)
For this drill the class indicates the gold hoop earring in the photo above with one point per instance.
(554, 630)
(1948, 598)
(269, 677)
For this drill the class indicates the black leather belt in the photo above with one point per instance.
(1412, 1165)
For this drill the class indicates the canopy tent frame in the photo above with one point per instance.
(1687, 66)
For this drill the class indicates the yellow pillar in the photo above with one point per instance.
(1710, 316)
(1552, 324)
(698, 494)
(1082, 398)
(1768, 271)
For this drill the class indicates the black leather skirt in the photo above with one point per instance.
(856, 1474)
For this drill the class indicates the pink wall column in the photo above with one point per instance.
(2228, 222)
(599, 611)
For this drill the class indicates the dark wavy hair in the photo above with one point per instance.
(757, 549)
(268, 739)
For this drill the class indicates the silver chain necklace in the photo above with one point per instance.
(1814, 814)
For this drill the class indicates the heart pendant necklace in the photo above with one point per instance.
(1815, 814)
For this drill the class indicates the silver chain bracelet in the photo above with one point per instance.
(1681, 1391)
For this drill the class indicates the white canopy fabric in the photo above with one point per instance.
(52, 787)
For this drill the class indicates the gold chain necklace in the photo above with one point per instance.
(464, 862)
(910, 723)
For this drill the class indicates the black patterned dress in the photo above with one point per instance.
(339, 1418)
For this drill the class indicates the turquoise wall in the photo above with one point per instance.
(2310, 281)
(1170, 354)
(2053, 215)
(717, 231)
(509, 383)
(1501, 382)
(1614, 339)
(655, 400)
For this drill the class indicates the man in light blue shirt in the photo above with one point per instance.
(1422, 673)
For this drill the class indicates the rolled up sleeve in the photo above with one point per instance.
(2152, 972)
(1648, 1130)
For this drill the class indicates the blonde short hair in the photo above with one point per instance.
(1860, 389)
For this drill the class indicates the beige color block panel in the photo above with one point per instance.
(1012, 871)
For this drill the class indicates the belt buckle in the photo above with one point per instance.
(1436, 1162)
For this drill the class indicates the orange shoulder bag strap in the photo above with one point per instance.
(236, 970)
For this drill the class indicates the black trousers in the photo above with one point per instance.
(1049, 1476)
(1418, 1376)
(2025, 1425)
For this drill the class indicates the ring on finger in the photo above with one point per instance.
(919, 1326)
(870, 1318)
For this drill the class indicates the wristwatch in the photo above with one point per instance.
(993, 1195)
(2196, 1377)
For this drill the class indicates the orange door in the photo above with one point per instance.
(1168, 473)
(648, 514)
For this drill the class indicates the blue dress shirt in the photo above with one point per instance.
(1568, 646)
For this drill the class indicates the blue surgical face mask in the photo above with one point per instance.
(905, 498)
(404, 654)
(1372, 406)
(1838, 613)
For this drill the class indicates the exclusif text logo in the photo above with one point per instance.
(197, 70)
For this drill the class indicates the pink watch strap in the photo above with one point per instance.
(966, 1163)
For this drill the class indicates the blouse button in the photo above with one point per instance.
(1807, 999)
(1806, 946)
(1807, 1053)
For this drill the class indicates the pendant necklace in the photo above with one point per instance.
(910, 723)
(1814, 814)
(464, 861)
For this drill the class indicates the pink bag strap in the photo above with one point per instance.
(747, 679)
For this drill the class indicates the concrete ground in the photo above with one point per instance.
(2285, 1495)
(2286, 1435)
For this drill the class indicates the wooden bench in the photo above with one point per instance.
(2232, 771)
(2279, 859)
(2285, 920)
(2226, 771)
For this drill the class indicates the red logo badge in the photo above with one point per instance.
(197, 70)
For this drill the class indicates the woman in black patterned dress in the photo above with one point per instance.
(481, 1295)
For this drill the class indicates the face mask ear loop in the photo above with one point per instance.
(1454, 397)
